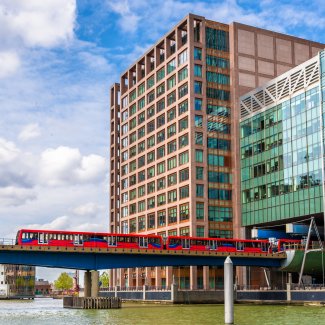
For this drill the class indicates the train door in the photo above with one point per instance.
(77, 239)
(213, 244)
(112, 240)
(185, 243)
(240, 246)
(143, 242)
(43, 238)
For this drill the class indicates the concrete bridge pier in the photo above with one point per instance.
(91, 284)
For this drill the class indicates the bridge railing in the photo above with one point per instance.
(148, 288)
(7, 241)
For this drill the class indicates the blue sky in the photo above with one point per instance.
(58, 59)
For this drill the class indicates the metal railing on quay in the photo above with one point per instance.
(139, 288)
(7, 241)
(295, 286)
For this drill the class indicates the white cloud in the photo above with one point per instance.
(88, 209)
(67, 223)
(43, 23)
(30, 131)
(8, 151)
(66, 165)
(15, 196)
(9, 63)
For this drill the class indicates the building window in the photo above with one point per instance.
(197, 70)
(172, 179)
(200, 231)
(198, 104)
(183, 124)
(171, 66)
(182, 90)
(172, 163)
(198, 87)
(150, 172)
(150, 111)
(182, 74)
(183, 175)
(218, 78)
(172, 215)
(161, 152)
(141, 103)
(172, 196)
(182, 107)
(184, 212)
(199, 156)
(151, 224)
(183, 158)
(197, 53)
(141, 191)
(183, 141)
(171, 82)
(141, 118)
(198, 138)
(184, 232)
(160, 120)
(150, 157)
(184, 192)
(219, 214)
(161, 199)
(150, 82)
(199, 173)
(161, 183)
(161, 105)
(215, 143)
(198, 121)
(161, 218)
(160, 89)
(151, 142)
(171, 147)
(200, 211)
(141, 176)
(219, 194)
(182, 58)
(160, 136)
(218, 110)
(161, 168)
(141, 147)
(133, 225)
(141, 161)
(141, 223)
(151, 203)
(133, 137)
(171, 114)
(160, 74)
(151, 97)
(171, 130)
(171, 98)
(133, 109)
(217, 39)
(218, 94)
(199, 190)
(151, 127)
(217, 62)
(141, 132)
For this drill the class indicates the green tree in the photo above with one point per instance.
(104, 280)
(64, 282)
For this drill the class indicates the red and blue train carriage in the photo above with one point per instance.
(138, 241)
(218, 244)
(87, 239)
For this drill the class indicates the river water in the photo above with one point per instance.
(49, 311)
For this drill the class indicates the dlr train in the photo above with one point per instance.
(34, 237)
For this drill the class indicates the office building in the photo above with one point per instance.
(174, 151)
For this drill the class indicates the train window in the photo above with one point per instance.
(23, 236)
(240, 246)
(59, 237)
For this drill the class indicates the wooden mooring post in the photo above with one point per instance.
(92, 302)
